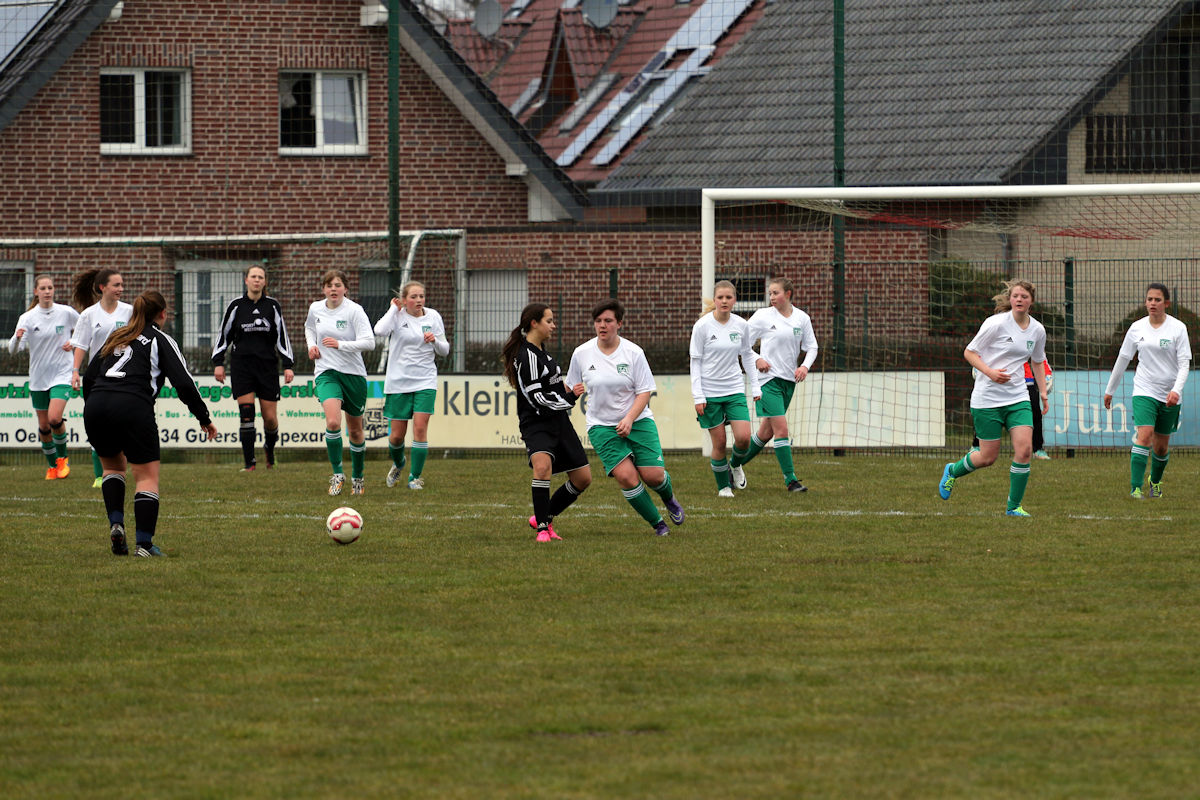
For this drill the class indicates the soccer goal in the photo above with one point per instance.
(897, 281)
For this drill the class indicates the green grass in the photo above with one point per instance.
(863, 640)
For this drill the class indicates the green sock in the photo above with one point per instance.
(358, 458)
(783, 454)
(962, 466)
(642, 504)
(397, 454)
(1138, 456)
(664, 489)
(739, 457)
(60, 444)
(97, 467)
(333, 446)
(419, 451)
(720, 472)
(49, 452)
(1158, 465)
(1018, 479)
(756, 446)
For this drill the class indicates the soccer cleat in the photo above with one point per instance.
(336, 481)
(543, 536)
(549, 527)
(660, 529)
(946, 484)
(393, 476)
(726, 492)
(96, 484)
(739, 477)
(1156, 491)
(675, 510)
(1017, 512)
(248, 469)
(416, 483)
(63, 467)
(358, 486)
(554, 535)
(1136, 494)
(116, 535)
(149, 551)
(797, 486)
(1041, 455)
(51, 473)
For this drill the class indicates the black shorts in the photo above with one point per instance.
(254, 376)
(115, 424)
(557, 437)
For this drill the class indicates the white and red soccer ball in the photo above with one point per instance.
(344, 525)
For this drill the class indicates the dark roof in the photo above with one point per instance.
(936, 92)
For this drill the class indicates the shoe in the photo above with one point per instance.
(1017, 512)
(797, 486)
(739, 477)
(393, 476)
(726, 492)
(549, 528)
(116, 534)
(63, 467)
(543, 536)
(248, 469)
(51, 473)
(554, 535)
(150, 551)
(675, 510)
(1136, 494)
(358, 486)
(1156, 491)
(335, 484)
(96, 484)
(946, 484)
(1041, 455)
(660, 529)
(416, 483)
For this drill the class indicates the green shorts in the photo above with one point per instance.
(403, 406)
(350, 389)
(1148, 411)
(991, 422)
(641, 443)
(41, 400)
(719, 410)
(776, 398)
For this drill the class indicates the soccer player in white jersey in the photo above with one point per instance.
(719, 339)
(45, 331)
(784, 332)
(1160, 342)
(416, 337)
(1000, 400)
(337, 332)
(616, 377)
(98, 293)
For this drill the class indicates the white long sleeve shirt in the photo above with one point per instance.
(782, 340)
(412, 364)
(347, 323)
(714, 351)
(1164, 356)
(46, 331)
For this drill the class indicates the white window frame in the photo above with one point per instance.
(139, 147)
(360, 112)
(21, 265)
(491, 296)
(213, 306)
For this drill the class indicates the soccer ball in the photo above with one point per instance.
(344, 525)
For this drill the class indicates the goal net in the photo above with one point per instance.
(897, 281)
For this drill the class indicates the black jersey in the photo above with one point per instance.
(254, 329)
(540, 390)
(137, 371)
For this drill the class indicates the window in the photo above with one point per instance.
(145, 112)
(208, 287)
(751, 293)
(322, 113)
(492, 297)
(16, 292)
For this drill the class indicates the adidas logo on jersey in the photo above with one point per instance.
(712, 338)
(592, 368)
(1007, 340)
(254, 312)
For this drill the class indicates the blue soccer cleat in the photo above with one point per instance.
(946, 485)
(1017, 512)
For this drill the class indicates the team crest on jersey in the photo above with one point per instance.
(58, 328)
(734, 336)
(341, 324)
(796, 332)
(426, 328)
(119, 324)
(1164, 343)
(622, 369)
(1029, 345)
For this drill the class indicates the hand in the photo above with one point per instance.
(756, 396)
(624, 426)
(314, 352)
(210, 430)
(331, 342)
(700, 408)
(801, 373)
(398, 303)
(429, 337)
(578, 389)
(75, 379)
(1172, 399)
(219, 374)
(20, 333)
(762, 364)
(1045, 404)
(67, 347)
(998, 375)
(288, 376)
(1108, 401)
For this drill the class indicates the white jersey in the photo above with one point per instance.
(95, 324)
(1003, 345)
(782, 340)
(613, 381)
(1163, 353)
(46, 331)
(347, 323)
(412, 364)
(713, 355)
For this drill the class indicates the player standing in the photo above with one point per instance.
(416, 337)
(1160, 342)
(1005, 341)
(617, 378)
(119, 389)
(544, 415)
(253, 332)
(45, 331)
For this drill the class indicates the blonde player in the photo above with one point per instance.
(719, 339)
(416, 337)
(1160, 342)
(784, 332)
(337, 333)
(45, 331)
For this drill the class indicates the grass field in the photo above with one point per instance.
(863, 640)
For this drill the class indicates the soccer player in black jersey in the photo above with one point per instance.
(119, 389)
(544, 413)
(252, 330)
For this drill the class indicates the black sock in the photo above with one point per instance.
(112, 489)
(270, 437)
(145, 516)
(246, 432)
(566, 494)
(541, 502)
